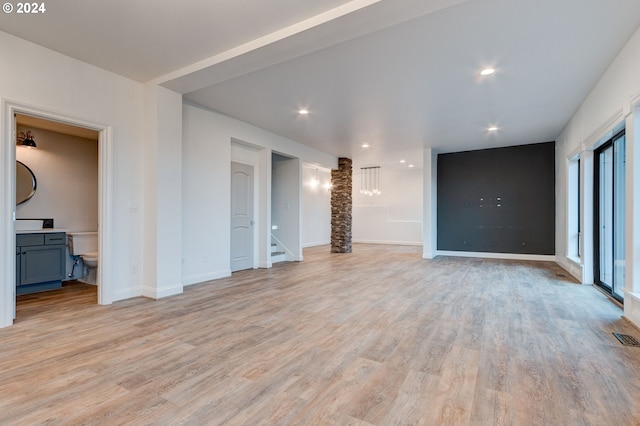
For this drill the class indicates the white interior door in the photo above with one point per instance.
(241, 216)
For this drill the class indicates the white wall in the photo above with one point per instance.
(316, 207)
(66, 170)
(395, 216)
(430, 203)
(206, 197)
(48, 81)
(162, 201)
(206, 178)
(610, 103)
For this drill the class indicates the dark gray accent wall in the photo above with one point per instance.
(498, 200)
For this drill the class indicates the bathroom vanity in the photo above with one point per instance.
(40, 260)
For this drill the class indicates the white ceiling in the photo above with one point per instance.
(400, 75)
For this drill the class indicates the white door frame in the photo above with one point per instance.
(248, 154)
(8, 203)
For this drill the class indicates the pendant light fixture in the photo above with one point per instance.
(370, 181)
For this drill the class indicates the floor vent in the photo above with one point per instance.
(626, 340)
(561, 276)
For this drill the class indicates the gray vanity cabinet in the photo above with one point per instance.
(40, 261)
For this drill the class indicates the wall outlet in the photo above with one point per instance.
(134, 269)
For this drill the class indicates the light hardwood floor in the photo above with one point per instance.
(376, 337)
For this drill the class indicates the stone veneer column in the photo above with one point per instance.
(341, 206)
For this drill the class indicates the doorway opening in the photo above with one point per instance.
(286, 209)
(61, 210)
(609, 211)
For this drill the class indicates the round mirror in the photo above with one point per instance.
(25, 183)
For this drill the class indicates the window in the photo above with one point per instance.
(609, 222)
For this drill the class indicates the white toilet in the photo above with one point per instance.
(85, 245)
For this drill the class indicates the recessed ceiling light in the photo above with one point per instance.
(403, 161)
(303, 111)
(487, 71)
(365, 145)
(411, 165)
(492, 128)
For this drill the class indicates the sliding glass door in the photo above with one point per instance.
(610, 220)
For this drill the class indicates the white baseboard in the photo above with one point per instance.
(127, 293)
(632, 308)
(159, 293)
(265, 265)
(209, 276)
(316, 244)
(428, 256)
(572, 266)
(391, 243)
(507, 256)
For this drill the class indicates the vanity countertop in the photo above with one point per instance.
(41, 231)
